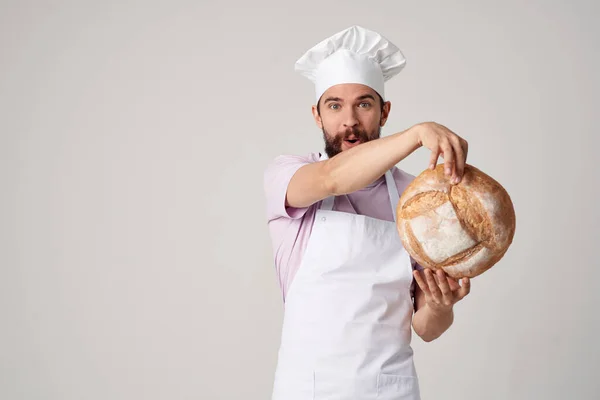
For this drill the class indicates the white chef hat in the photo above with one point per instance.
(354, 55)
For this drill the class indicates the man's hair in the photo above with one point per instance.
(378, 95)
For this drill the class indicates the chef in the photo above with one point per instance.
(347, 282)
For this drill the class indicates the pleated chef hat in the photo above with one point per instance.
(354, 55)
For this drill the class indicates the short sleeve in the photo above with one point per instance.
(277, 177)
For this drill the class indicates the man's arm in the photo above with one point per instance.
(358, 167)
(435, 296)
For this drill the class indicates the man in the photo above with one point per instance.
(347, 281)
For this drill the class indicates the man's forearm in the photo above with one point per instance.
(358, 167)
(430, 324)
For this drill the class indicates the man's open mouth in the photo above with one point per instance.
(352, 139)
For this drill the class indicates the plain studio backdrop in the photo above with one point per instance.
(135, 257)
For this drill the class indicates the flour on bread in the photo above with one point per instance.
(440, 233)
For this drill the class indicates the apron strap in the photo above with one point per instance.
(392, 192)
(327, 203)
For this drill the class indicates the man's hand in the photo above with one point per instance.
(443, 142)
(441, 292)
(435, 297)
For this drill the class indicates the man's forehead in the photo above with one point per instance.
(348, 90)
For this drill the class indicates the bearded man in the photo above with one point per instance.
(347, 283)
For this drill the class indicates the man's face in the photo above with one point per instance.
(350, 114)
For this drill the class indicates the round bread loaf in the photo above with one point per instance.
(462, 228)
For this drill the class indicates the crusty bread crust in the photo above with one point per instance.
(463, 228)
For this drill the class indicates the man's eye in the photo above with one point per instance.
(334, 106)
(365, 104)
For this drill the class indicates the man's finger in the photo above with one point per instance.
(460, 162)
(465, 288)
(421, 282)
(433, 287)
(433, 158)
(454, 286)
(443, 285)
(454, 177)
(448, 156)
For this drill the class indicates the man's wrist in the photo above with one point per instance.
(413, 136)
(415, 132)
(440, 312)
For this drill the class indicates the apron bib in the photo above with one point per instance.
(347, 323)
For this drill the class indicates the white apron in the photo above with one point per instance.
(347, 323)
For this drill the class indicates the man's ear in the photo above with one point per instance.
(317, 117)
(385, 112)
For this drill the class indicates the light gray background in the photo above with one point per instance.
(135, 258)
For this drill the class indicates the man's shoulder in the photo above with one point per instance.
(283, 166)
(277, 176)
(287, 159)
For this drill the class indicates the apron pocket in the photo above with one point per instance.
(398, 387)
(336, 386)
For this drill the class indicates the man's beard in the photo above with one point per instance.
(333, 144)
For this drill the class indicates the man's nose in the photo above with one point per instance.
(350, 119)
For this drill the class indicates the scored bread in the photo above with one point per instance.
(462, 228)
